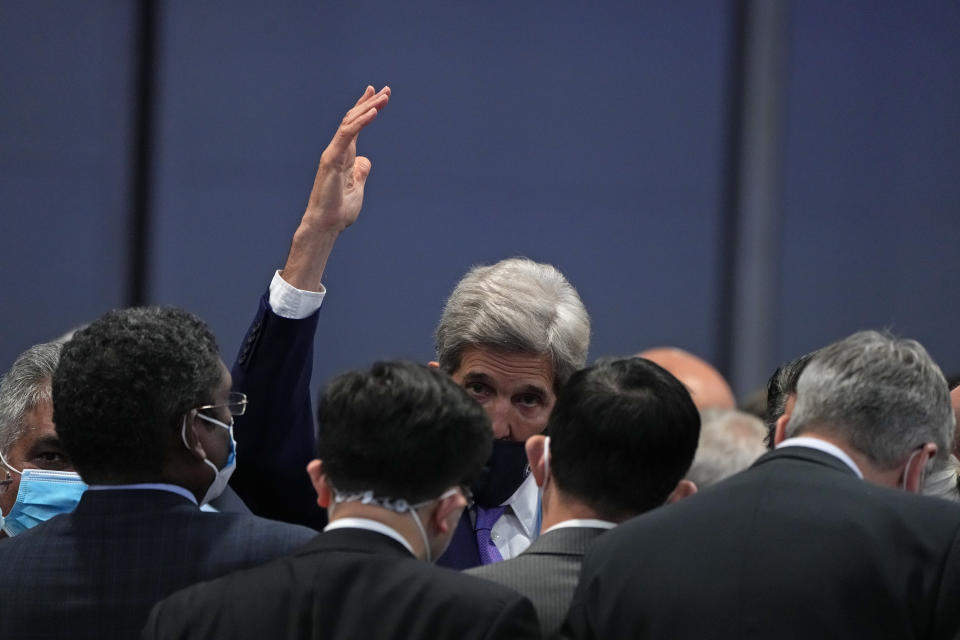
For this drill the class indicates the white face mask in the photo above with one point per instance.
(398, 506)
(906, 470)
(220, 476)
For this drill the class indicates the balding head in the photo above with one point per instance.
(707, 387)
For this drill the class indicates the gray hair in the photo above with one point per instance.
(884, 396)
(24, 387)
(516, 305)
(730, 441)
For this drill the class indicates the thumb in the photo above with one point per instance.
(361, 169)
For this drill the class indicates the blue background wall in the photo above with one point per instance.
(595, 138)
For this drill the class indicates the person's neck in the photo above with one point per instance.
(402, 523)
(559, 507)
(871, 473)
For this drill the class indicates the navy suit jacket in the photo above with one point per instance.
(347, 583)
(96, 572)
(276, 437)
(794, 547)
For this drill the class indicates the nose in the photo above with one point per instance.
(498, 411)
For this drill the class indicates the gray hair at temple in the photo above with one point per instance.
(516, 305)
(730, 441)
(883, 396)
(24, 387)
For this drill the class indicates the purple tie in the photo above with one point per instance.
(485, 546)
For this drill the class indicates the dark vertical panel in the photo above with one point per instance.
(585, 136)
(64, 156)
(138, 280)
(872, 197)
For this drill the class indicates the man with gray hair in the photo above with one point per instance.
(511, 334)
(822, 537)
(37, 480)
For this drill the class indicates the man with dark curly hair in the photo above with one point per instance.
(142, 406)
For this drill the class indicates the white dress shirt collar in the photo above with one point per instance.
(824, 446)
(525, 503)
(582, 522)
(369, 525)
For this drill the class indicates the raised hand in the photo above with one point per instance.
(336, 197)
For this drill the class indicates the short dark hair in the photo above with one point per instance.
(400, 430)
(782, 383)
(123, 385)
(623, 433)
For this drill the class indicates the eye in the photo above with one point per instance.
(477, 390)
(52, 459)
(529, 400)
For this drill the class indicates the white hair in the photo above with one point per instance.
(730, 441)
(516, 305)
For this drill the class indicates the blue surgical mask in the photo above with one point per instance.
(42, 495)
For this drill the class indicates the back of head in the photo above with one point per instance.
(516, 305)
(706, 385)
(883, 396)
(400, 430)
(622, 435)
(730, 441)
(124, 384)
(782, 384)
(24, 387)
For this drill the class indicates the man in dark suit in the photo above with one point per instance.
(622, 436)
(142, 407)
(396, 445)
(821, 538)
(511, 334)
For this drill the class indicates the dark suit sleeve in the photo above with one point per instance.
(152, 629)
(517, 620)
(276, 438)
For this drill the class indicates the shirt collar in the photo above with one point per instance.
(525, 504)
(369, 525)
(824, 446)
(583, 522)
(155, 486)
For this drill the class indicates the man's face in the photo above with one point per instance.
(38, 448)
(516, 389)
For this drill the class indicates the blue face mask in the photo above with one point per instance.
(42, 495)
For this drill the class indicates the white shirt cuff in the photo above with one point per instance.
(289, 302)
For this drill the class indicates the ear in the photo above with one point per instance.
(447, 512)
(535, 448)
(685, 488)
(915, 469)
(434, 364)
(780, 431)
(190, 434)
(319, 480)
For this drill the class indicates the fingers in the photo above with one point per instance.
(358, 117)
(361, 169)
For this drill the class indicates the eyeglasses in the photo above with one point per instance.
(236, 404)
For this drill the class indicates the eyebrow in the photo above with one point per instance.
(475, 376)
(535, 390)
(47, 441)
